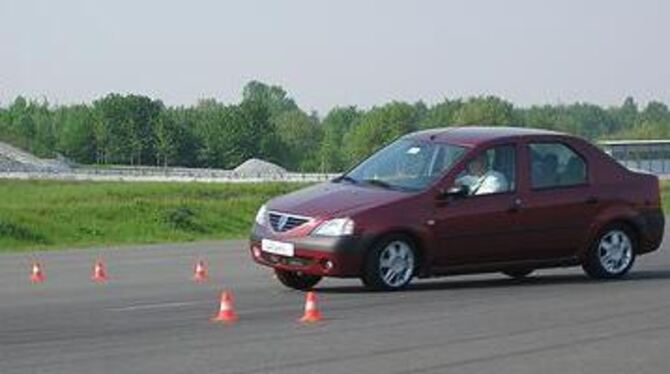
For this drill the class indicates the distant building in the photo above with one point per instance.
(649, 155)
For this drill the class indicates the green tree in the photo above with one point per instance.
(335, 125)
(210, 129)
(258, 135)
(545, 117)
(300, 137)
(128, 122)
(45, 133)
(274, 98)
(442, 114)
(187, 142)
(379, 126)
(165, 133)
(76, 137)
(655, 112)
(488, 110)
(625, 116)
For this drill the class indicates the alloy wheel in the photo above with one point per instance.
(396, 264)
(615, 251)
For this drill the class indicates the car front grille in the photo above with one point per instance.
(282, 222)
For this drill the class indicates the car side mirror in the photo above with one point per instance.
(458, 191)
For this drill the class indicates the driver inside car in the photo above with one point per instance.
(481, 179)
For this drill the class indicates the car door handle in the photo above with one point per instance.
(515, 206)
(592, 200)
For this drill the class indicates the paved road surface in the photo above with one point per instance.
(150, 318)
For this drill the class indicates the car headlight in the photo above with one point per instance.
(335, 227)
(261, 216)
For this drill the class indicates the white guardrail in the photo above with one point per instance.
(125, 176)
(154, 176)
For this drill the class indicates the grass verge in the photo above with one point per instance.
(55, 214)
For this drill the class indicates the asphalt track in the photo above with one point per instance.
(151, 318)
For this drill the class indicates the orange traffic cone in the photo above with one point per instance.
(226, 310)
(312, 313)
(200, 271)
(99, 274)
(36, 273)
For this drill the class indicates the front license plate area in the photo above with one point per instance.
(278, 248)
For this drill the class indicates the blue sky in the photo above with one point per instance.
(343, 52)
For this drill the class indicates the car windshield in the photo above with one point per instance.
(405, 164)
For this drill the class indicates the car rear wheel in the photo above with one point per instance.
(519, 273)
(390, 264)
(612, 254)
(297, 280)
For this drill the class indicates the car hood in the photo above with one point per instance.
(333, 199)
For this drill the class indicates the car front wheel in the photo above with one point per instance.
(612, 254)
(297, 280)
(390, 264)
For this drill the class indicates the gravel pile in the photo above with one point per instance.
(14, 159)
(7, 164)
(256, 167)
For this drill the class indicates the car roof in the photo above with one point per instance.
(475, 135)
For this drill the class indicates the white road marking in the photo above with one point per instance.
(155, 306)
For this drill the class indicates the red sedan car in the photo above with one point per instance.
(464, 200)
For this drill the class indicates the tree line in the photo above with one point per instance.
(268, 124)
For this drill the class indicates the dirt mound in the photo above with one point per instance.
(254, 167)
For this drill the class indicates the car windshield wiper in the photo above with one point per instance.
(380, 183)
(346, 178)
(388, 186)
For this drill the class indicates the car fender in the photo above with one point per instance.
(611, 214)
(420, 236)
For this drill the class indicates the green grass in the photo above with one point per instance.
(665, 194)
(54, 214)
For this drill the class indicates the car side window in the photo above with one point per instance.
(491, 171)
(555, 165)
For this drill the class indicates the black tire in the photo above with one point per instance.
(297, 280)
(372, 274)
(519, 273)
(593, 264)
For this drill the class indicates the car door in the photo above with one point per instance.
(558, 202)
(480, 227)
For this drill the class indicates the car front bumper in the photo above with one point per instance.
(316, 255)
